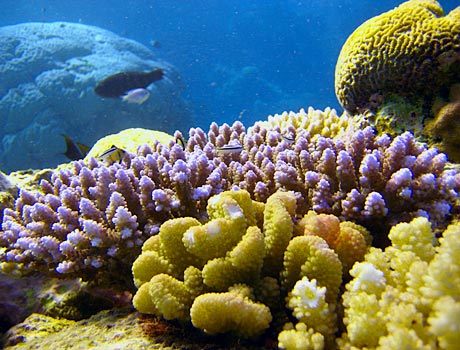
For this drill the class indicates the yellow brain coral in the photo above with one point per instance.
(411, 50)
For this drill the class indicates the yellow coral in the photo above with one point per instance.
(170, 244)
(278, 228)
(300, 338)
(308, 304)
(170, 297)
(147, 265)
(241, 265)
(243, 262)
(129, 140)
(349, 240)
(402, 51)
(445, 322)
(230, 213)
(325, 123)
(407, 296)
(416, 237)
(231, 311)
(311, 256)
(443, 275)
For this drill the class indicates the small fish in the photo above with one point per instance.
(229, 149)
(113, 155)
(182, 142)
(289, 139)
(117, 85)
(74, 150)
(155, 43)
(138, 96)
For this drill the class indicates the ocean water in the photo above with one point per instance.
(240, 59)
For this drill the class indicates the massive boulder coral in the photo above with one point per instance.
(412, 50)
(49, 71)
(406, 296)
(91, 218)
(229, 274)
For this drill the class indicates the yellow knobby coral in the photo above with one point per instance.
(241, 265)
(170, 244)
(411, 50)
(325, 123)
(230, 214)
(278, 228)
(232, 311)
(167, 296)
(445, 322)
(311, 256)
(241, 260)
(300, 338)
(407, 296)
(308, 304)
(348, 240)
(188, 258)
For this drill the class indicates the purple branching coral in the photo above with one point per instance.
(90, 221)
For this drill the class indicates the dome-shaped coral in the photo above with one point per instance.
(411, 50)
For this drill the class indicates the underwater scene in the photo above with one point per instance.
(237, 174)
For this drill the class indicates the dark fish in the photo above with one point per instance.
(155, 43)
(119, 84)
(74, 150)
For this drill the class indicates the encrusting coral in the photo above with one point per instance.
(128, 140)
(412, 50)
(90, 219)
(407, 296)
(229, 274)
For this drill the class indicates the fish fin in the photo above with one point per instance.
(83, 148)
(72, 151)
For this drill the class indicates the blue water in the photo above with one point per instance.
(239, 59)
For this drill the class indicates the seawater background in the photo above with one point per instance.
(240, 59)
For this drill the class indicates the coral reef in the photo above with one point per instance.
(90, 219)
(406, 296)
(49, 71)
(412, 50)
(231, 273)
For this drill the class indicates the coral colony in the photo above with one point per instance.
(95, 217)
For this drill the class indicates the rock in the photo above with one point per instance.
(112, 329)
(49, 71)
